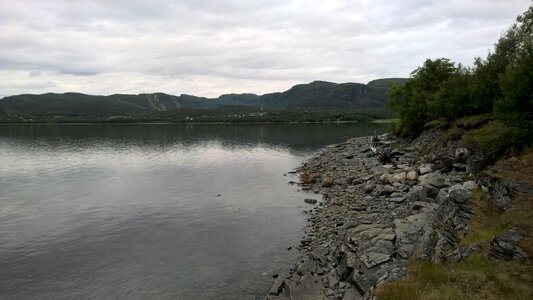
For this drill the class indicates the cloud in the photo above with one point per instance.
(210, 47)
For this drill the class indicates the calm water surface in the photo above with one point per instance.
(152, 211)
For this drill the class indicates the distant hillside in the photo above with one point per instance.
(317, 95)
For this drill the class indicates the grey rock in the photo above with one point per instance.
(276, 287)
(352, 294)
(369, 188)
(397, 199)
(470, 185)
(310, 201)
(428, 191)
(436, 179)
(424, 169)
(390, 189)
(398, 177)
(412, 175)
(396, 195)
(309, 287)
(442, 196)
(414, 193)
(307, 267)
(319, 253)
(368, 198)
(503, 246)
(460, 195)
(373, 259)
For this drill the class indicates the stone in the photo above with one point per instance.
(436, 179)
(276, 287)
(470, 185)
(442, 196)
(398, 177)
(310, 201)
(373, 259)
(397, 199)
(327, 182)
(396, 195)
(390, 189)
(460, 195)
(428, 191)
(424, 169)
(307, 178)
(408, 232)
(368, 177)
(309, 287)
(306, 267)
(319, 254)
(369, 188)
(503, 246)
(414, 193)
(412, 175)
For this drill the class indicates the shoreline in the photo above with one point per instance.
(184, 123)
(374, 218)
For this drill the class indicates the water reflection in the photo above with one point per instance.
(159, 211)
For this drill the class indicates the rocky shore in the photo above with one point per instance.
(375, 217)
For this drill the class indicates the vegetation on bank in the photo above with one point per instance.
(478, 276)
(223, 115)
(488, 109)
(500, 85)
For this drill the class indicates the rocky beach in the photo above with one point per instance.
(385, 202)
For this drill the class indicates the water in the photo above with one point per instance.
(152, 211)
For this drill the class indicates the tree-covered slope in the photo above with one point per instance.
(317, 95)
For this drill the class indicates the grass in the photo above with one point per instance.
(474, 278)
(493, 136)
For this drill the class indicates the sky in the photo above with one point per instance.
(212, 47)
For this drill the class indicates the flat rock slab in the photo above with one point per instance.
(373, 259)
(309, 287)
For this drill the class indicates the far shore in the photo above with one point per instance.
(379, 121)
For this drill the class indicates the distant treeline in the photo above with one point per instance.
(316, 101)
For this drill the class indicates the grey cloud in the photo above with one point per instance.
(208, 47)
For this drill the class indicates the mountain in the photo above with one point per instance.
(317, 95)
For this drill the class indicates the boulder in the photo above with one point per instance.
(459, 194)
(414, 193)
(436, 179)
(276, 287)
(428, 191)
(306, 267)
(442, 196)
(309, 287)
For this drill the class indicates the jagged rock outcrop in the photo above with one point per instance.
(376, 217)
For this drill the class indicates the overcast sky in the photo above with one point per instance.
(211, 47)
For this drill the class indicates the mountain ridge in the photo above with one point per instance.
(316, 95)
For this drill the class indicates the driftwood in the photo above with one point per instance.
(445, 160)
(384, 153)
